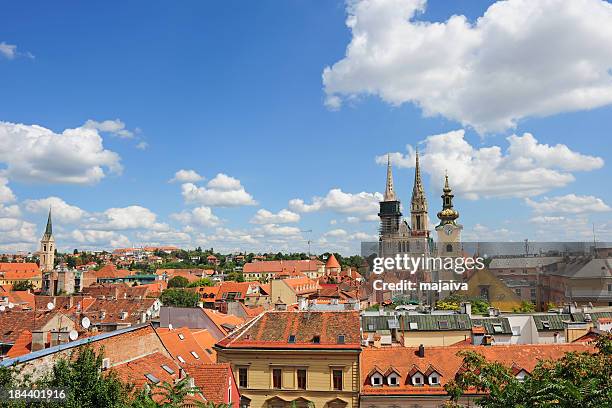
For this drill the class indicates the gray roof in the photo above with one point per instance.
(420, 322)
(595, 268)
(523, 262)
(490, 325)
(551, 321)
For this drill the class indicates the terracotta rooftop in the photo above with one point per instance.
(18, 271)
(445, 361)
(23, 345)
(156, 366)
(110, 271)
(332, 262)
(298, 330)
(207, 341)
(183, 346)
(279, 266)
(211, 379)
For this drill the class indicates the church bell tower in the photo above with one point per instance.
(47, 247)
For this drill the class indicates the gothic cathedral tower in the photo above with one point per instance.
(390, 214)
(47, 248)
(418, 204)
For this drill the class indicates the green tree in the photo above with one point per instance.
(178, 282)
(575, 380)
(86, 385)
(525, 307)
(71, 262)
(200, 282)
(23, 285)
(179, 298)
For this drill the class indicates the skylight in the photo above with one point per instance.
(194, 354)
(152, 378)
(181, 359)
(181, 336)
(167, 369)
(413, 325)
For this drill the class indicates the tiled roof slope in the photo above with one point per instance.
(211, 379)
(445, 361)
(273, 329)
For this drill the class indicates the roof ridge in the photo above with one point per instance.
(242, 330)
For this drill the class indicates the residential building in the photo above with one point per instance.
(416, 376)
(11, 273)
(296, 357)
(265, 270)
(291, 290)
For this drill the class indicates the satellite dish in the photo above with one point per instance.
(85, 322)
(73, 335)
(11, 305)
(2, 308)
(50, 306)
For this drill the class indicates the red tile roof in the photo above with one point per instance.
(19, 271)
(445, 361)
(133, 372)
(272, 329)
(206, 341)
(332, 262)
(279, 266)
(211, 379)
(226, 323)
(302, 284)
(110, 271)
(23, 345)
(182, 343)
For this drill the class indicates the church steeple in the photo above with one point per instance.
(389, 192)
(448, 215)
(47, 247)
(49, 228)
(418, 204)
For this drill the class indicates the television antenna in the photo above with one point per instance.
(309, 231)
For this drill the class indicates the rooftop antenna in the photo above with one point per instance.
(309, 231)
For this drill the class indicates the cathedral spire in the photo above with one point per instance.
(418, 204)
(389, 192)
(419, 201)
(49, 228)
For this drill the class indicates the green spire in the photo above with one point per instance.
(49, 229)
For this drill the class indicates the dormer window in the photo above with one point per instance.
(341, 339)
(316, 339)
(417, 379)
(292, 338)
(393, 379)
(434, 380)
(376, 379)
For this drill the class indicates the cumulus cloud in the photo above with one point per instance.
(17, 234)
(526, 168)
(6, 194)
(164, 237)
(338, 201)
(114, 127)
(284, 216)
(7, 50)
(519, 59)
(336, 233)
(221, 191)
(186, 176)
(33, 153)
(61, 210)
(125, 218)
(202, 216)
(99, 238)
(273, 229)
(568, 204)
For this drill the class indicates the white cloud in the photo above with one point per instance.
(273, 229)
(568, 204)
(142, 145)
(75, 156)
(186, 176)
(124, 218)
(526, 168)
(6, 194)
(284, 216)
(202, 216)
(114, 127)
(522, 58)
(61, 210)
(221, 191)
(481, 232)
(7, 50)
(341, 202)
(336, 233)
(542, 219)
(10, 211)
(164, 237)
(17, 234)
(98, 238)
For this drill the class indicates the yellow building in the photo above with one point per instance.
(12, 273)
(487, 286)
(296, 358)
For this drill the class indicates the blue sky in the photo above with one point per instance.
(237, 88)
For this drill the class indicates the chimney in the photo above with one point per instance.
(466, 308)
(421, 352)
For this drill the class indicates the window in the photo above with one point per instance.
(546, 324)
(517, 291)
(443, 324)
(337, 380)
(449, 248)
(301, 379)
(484, 292)
(497, 328)
(341, 339)
(433, 379)
(195, 355)
(243, 379)
(609, 287)
(152, 378)
(416, 380)
(180, 336)
(292, 338)
(167, 369)
(376, 379)
(532, 292)
(393, 380)
(181, 359)
(413, 325)
(277, 378)
(316, 339)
